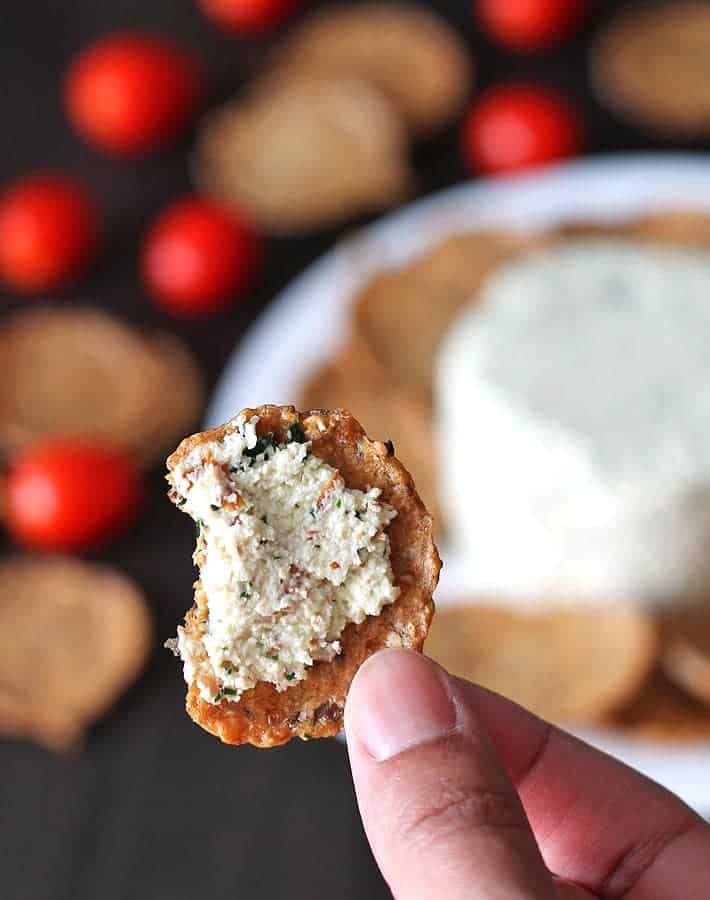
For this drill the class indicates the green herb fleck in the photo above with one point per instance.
(277, 557)
(245, 595)
(217, 697)
(229, 692)
(273, 654)
(357, 514)
(181, 501)
(214, 507)
(312, 512)
(339, 503)
(264, 519)
(261, 446)
(290, 676)
(317, 546)
(296, 433)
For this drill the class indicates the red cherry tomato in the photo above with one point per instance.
(48, 232)
(130, 93)
(70, 495)
(248, 16)
(197, 256)
(530, 24)
(517, 127)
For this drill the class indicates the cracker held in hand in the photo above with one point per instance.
(413, 56)
(567, 665)
(74, 636)
(314, 552)
(651, 64)
(306, 153)
(84, 373)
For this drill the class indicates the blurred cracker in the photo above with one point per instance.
(82, 372)
(403, 314)
(686, 654)
(314, 707)
(664, 712)
(682, 228)
(354, 380)
(650, 64)
(572, 665)
(73, 636)
(305, 153)
(412, 55)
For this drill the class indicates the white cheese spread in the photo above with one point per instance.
(288, 556)
(574, 425)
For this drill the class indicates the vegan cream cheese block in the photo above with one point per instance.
(294, 554)
(574, 415)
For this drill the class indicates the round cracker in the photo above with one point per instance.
(567, 665)
(353, 379)
(308, 153)
(74, 636)
(403, 314)
(84, 373)
(686, 654)
(314, 707)
(651, 64)
(412, 55)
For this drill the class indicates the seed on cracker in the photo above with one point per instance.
(82, 372)
(403, 314)
(306, 153)
(74, 636)
(277, 632)
(651, 64)
(412, 55)
(567, 665)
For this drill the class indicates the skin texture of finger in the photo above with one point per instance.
(441, 815)
(599, 823)
(568, 891)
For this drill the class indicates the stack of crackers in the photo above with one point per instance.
(79, 633)
(323, 135)
(616, 666)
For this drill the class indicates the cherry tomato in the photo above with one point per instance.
(130, 93)
(519, 126)
(48, 232)
(70, 495)
(530, 24)
(248, 16)
(197, 256)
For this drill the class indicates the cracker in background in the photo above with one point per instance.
(84, 373)
(354, 380)
(412, 55)
(306, 153)
(651, 64)
(314, 707)
(664, 712)
(572, 665)
(74, 635)
(403, 314)
(686, 653)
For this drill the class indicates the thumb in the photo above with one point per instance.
(441, 815)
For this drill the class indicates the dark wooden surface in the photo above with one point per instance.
(153, 807)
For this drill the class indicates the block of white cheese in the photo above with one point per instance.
(573, 415)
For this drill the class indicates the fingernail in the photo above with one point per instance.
(398, 700)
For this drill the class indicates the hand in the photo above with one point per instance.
(465, 795)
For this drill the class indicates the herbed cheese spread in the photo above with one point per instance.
(288, 556)
(574, 409)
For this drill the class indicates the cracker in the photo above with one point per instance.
(75, 635)
(676, 228)
(412, 55)
(686, 655)
(403, 314)
(568, 665)
(81, 372)
(307, 153)
(664, 712)
(651, 64)
(355, 380)
(314, 707)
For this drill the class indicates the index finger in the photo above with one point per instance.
(598, 822)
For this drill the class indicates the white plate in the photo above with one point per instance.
(304, 323)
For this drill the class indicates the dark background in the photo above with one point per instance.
(154, 807)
